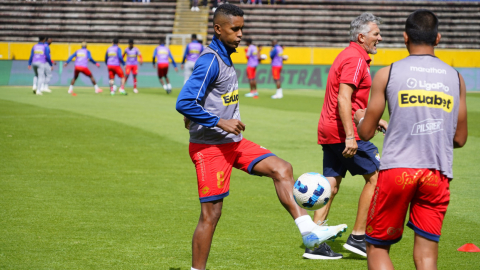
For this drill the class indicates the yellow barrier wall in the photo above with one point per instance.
(296, 55)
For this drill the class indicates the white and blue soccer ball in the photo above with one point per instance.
(312, 191)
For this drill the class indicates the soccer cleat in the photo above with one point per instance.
(70, 91)
(356, 246)
(123, 93)
(321, 234)
(112, 93)
(277, 96)
(168, 91)
(34, 87)
(98, 90)
(135, 91)
(252, 94)
(46, 90)
(323, 252)
(38, 93)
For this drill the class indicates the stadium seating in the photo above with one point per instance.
(91, 21)
(320, 23)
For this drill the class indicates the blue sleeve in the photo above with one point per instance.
(71, 57)
(89, 55)
(119, 53)
(185, 55)
(171, 58)
(188, 102)
(31, 58)
(273, 53)
(106, 57)
(47, 55)
(154, 56)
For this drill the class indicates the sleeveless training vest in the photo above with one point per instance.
(423, 101)
(221, 99)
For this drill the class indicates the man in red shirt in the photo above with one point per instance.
(348, 87)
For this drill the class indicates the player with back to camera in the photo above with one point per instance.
(417, 157)
(162, 53)
(252, 54)
(82, 56)
(209, 102)
(48, 71)
(113, 59)
(192, 51)
(39, 56)
(348, 87)
(132, 53)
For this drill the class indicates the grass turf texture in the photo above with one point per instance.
(102, 182)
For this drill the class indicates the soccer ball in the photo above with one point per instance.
(263, 56)
(312, 191)
(285, 57)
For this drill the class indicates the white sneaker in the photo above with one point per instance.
(277, 96)
(46, 90)
(192, 9)
(197, 9)
(70, 91)
(38, 93)
(321, 234)
(135, 91)
(251, 94)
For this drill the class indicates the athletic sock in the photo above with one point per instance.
(279, 91)
(194, 268)
(305, 224)
(358, 237)
(169, 86)
(45, 86)
(35, 81)
(165, 87)
(70, 88)
(135, 83)
(96, 87)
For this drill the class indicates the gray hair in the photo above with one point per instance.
(360, 25)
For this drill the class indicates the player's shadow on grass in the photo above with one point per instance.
(337, 246)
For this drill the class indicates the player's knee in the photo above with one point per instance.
(282, 170)
(211, 217)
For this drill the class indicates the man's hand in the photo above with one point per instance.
(176, 69)
(65, 65)
(382, 126)
(181, 66)
(359, 114)
(187, 122)
(141, 63)
(350, 148)
(234, 126)
(51, 67)
(29, 67)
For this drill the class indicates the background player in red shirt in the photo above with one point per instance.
(132, 54)
(348, 87)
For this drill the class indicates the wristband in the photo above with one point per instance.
(360, 121)
(351, 138)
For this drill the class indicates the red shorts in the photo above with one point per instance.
(426, 190)
(115, 70)
(214, 165)
(162, 70)
(251, 72)
(276, 73)
(131, 68)
(84, 70)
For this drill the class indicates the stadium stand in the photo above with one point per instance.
(320, 23)
(304, 23)
(91, 21)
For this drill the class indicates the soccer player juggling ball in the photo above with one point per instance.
(209, 102)
(416, 165)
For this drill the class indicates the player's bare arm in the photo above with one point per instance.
(234, 126)
(376, 106)
(186, 121)
(461, 133)
(345, 110)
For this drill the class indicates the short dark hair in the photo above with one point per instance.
(115, 41)
(130, 41)
(194, 36)
(422, 27)
(41, 38)
(228, 10)
(162, 41)
(248, 40)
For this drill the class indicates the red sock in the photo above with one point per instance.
(135, 83)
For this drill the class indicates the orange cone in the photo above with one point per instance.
(469, 247)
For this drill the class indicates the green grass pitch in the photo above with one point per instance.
(102, 182)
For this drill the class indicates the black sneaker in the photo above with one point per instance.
(356, 246)
(323, 252)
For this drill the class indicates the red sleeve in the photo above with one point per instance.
(352, 71)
